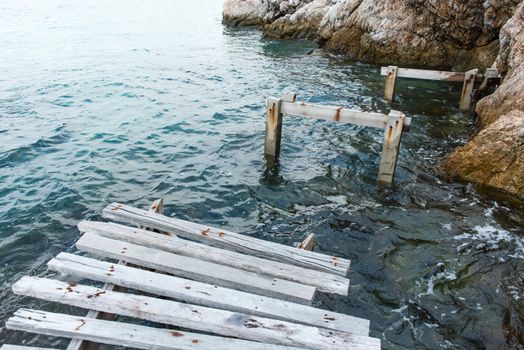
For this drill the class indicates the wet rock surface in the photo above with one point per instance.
(495, 156)
(459, 34)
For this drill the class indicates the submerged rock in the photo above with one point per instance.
(495, 156)
(408, 32)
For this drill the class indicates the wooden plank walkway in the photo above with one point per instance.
(237, 292)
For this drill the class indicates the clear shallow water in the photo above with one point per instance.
(130, 100)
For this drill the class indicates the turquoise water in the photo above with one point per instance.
(128, 101)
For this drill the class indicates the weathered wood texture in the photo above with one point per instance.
(428, 74)
(77, 344)
(124, 334)
(273, 127)
(20, 347)
(325, 282)
(228, 240)
(195, 317)
(338, 114)
(388, 158)
(391, 80)
(467, 90)
(205, 294)
(196, 269)
(308, 244)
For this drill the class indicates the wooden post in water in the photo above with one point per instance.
(273, 127)
(392, 137)
(467, 89)
(391, 80)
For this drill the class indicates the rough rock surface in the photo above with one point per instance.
(458, 33)
(495, 156)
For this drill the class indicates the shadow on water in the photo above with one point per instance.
(160, 100)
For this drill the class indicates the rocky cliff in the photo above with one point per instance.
(446, 33)
(459, 34)
(495, 156)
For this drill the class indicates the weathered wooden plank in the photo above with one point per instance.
(196, 269)
(21, 347)
(325, 282)
(308, 244)
(338, 114)
(273, 127)
(124, 334)
(228, 240)
(289, 97)
(467, 89)
(195, 317)
(205, 294)
(391, 80)
(425, 74)
(388, 158)
(77, 344)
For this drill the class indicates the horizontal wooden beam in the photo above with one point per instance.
(20, 347)
(323, 281)
(204, 294)
(220, 322)
(127, 335)
(227, 239)
(338, 114)
(202, 271)
(429, 74)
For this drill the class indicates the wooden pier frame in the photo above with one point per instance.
(468, 78)
(205, 302)
(393, 125)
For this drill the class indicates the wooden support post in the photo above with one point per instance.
(467, 89)
(78, 344)
(392, 137)
(308, 243)
(273, 127)
(391, 80)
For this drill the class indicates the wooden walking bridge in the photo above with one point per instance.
(202, 287)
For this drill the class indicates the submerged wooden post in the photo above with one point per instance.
(467, 89)
(392, 137)
(391, 80)
(273, 127)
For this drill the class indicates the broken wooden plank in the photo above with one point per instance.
(308, 243)
(324, 281)
(391, 80)
(228, 240)
(77, 344)
(124, 334)
(425, 74)
(196, 269)
(389, 155)
(205, 294)
(467, 89)
(338, 114)
(273, 136)
(194, 317)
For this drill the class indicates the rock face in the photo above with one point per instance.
(453, 33)
(495, 156)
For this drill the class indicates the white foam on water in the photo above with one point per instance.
(489, 237)
(440, 276)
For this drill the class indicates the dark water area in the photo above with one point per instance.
(129, 101)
